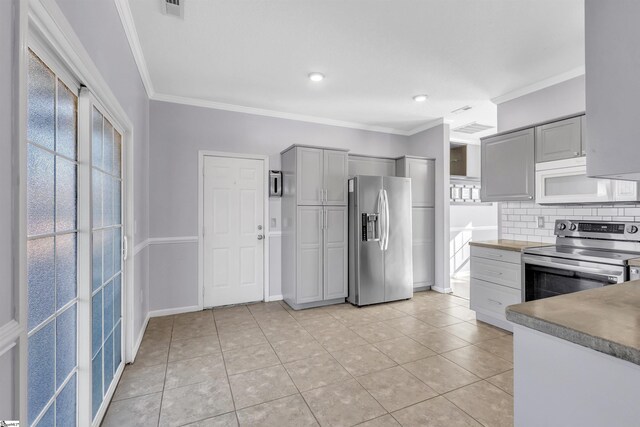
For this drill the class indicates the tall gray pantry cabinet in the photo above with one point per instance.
(314, 226)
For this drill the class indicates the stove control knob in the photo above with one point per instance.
(632, 229)
(573, 227)
(562, 226)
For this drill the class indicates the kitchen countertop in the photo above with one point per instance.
(510, 245)
(604, 319)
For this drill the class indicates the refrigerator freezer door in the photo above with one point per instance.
(369, 261)
(398, 259)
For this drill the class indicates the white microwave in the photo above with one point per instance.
(566, 181)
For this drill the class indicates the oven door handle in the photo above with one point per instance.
(560, 264)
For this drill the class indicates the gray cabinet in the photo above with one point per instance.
(508, 167)
(612, 86)
(335, 176)
(335, 252)
(314, 226)
(423, 174)
(310, 253)
(321, 176)
(423, 228)
(559, 140)
(374, 166)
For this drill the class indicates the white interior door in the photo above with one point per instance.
(233, 230)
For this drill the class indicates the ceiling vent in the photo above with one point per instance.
(473, 127)
(461, 109)
(173, 7)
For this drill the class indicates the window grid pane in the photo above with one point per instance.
(107, 256)
(51, 247)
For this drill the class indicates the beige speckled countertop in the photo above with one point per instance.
(634, 262)
(509, 245)
(604, 319)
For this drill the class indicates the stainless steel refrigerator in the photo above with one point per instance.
(380, 258)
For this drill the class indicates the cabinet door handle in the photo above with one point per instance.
(494, 301)
(326, 220)
(495, 273)
(495, 255)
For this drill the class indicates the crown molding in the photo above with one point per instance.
(525, 90)
(126, 17)
(197, 102)
(128, 23)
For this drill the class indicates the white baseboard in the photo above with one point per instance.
(177, 310)
(274, 298)
(442, 290)
(136, 346)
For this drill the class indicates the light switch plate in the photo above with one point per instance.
(540, 222)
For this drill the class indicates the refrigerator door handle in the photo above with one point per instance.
(386, 220)
(380, 219)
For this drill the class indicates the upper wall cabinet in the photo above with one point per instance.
(612, 61)
(375, 166)
(423, 175)
(559, 140)
(508, 167)
(321, 176)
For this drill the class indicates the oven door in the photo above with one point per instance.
(547, 277)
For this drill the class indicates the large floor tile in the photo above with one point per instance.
(250, 358)
(478, 361)
(285, 332)
(403, 350)
(247, 337)
(474, 333)
(409, 325)
(441, 374)
(437, 318)
(316, 372)
(460, 312)
(225, 420)
(437, 412)
(503, 381)
(289, 411)
(343, 404)
(152, 353)
(383, 421)
(202, 317)
(193, 330)
(291, 350)
(140, 411)
(193, 347)
(376, 332)
(439, 341)
(395, 388)
(195, 402)
(320, 323)
(195, 370)
(486, 403)
(382, 312)
(363, 359)
(262, 385)
(501, 347)
(140, 380)
(338, 338)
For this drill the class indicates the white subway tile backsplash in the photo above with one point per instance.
(520, 222)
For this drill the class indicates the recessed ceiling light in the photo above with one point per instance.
(316, 77)
(420, 98)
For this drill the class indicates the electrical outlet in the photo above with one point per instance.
(540, 222)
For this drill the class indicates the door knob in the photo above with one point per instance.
(260, 236)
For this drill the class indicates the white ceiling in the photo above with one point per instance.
(376, 55)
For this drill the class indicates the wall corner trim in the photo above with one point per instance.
(124, 10)
(136, 345)
(550, 81)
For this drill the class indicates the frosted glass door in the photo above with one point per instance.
(52, 256)
(106, 296)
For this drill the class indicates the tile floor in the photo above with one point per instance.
(422, 362)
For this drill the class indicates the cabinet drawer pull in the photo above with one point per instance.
(495, 255)
(494, 301)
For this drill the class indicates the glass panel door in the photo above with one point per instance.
(52, 256)
(106, 212)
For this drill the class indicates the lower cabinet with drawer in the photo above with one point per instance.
(496, 282)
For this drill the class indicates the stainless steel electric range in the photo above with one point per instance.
(587, 254)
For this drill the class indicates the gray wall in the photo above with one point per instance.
(434, 143)
(8, 197)
(549, 103)
(98, 26)
(177, 133)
